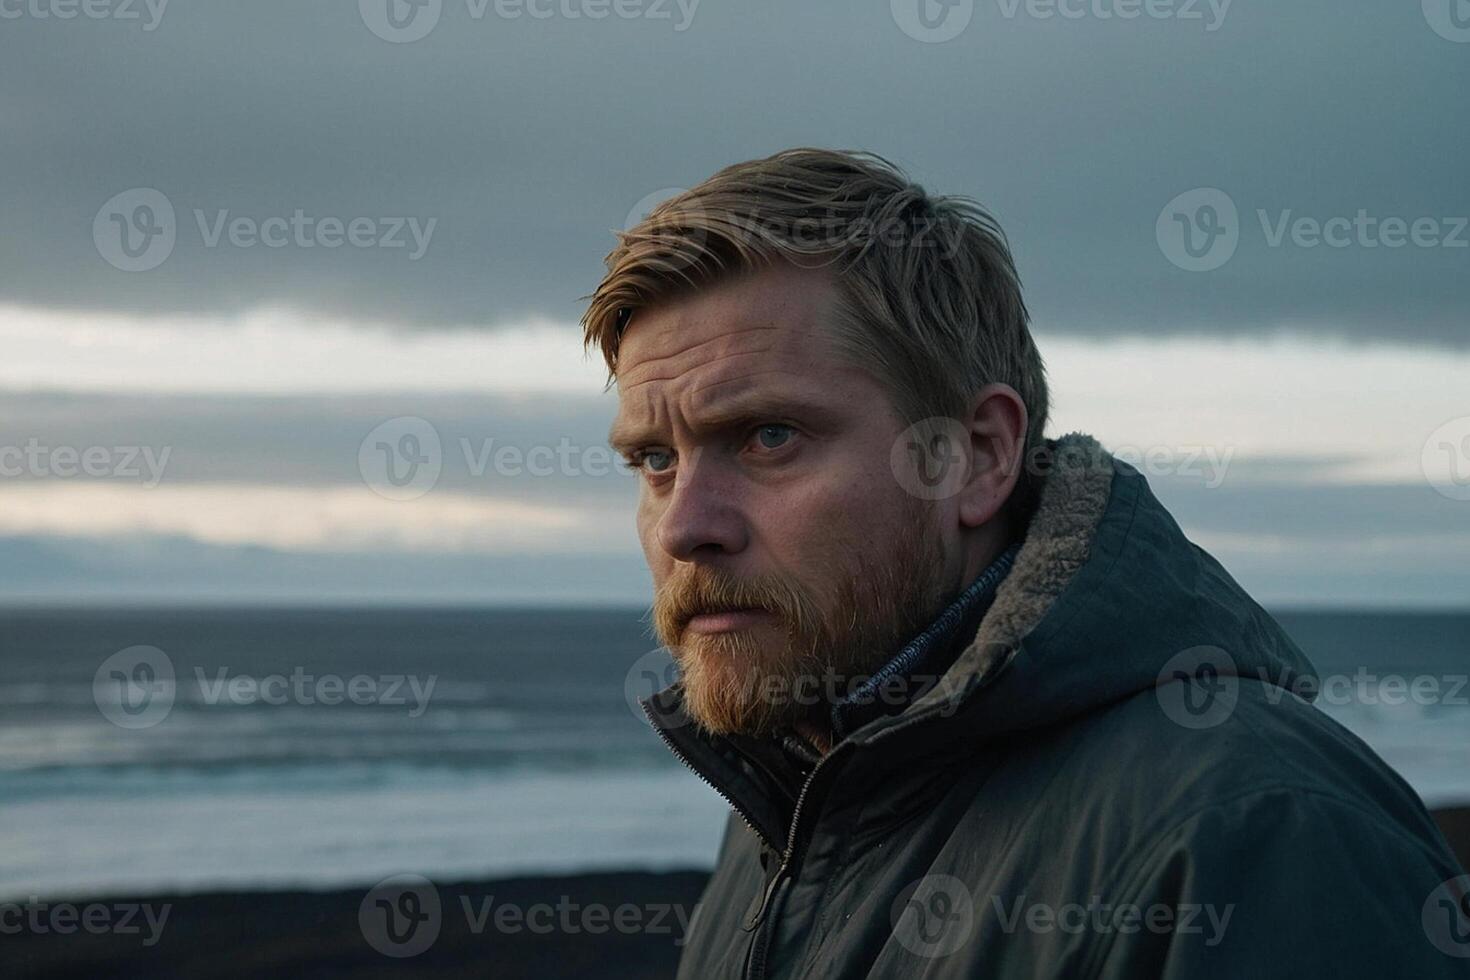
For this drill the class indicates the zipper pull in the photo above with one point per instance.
(762, 904)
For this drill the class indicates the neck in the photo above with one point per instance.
(984, 546)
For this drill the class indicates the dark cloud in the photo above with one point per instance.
(529, 139)
(533, 449)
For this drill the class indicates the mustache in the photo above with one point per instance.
(697, 589)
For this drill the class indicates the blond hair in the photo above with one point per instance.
(929, 301)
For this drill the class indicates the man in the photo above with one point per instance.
(979, 707)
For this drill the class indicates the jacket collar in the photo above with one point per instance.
(924, 653)
(1106, 597)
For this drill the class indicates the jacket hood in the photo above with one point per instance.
(1107, 598)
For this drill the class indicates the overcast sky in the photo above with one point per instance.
(238, 238)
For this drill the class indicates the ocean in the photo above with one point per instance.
(325, 748)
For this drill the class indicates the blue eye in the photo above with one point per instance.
(655, 460)
(774, 436)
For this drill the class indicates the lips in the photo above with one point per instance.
(725, 619)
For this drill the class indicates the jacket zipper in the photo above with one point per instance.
(755, 968)
(727, 797)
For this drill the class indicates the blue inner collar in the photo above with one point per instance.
(859, 705)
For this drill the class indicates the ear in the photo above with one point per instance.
(997, 424)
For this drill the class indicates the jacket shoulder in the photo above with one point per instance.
(1124, 777)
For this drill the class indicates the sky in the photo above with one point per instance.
(247, 246)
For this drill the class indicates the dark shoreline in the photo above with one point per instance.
(317, 934)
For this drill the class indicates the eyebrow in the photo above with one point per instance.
(625, 436)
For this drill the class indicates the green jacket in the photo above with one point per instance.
(1120, 776)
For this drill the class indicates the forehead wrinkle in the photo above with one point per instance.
(700, 397)
(636, 419)
(728, 337)
(647, 414)
(726, 357)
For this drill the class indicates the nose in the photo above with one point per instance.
(701, 517)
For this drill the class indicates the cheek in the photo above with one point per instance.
(877, 500)
(861, 515)
(813, 532)
(656, 558)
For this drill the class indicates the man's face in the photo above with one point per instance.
(783, 550)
